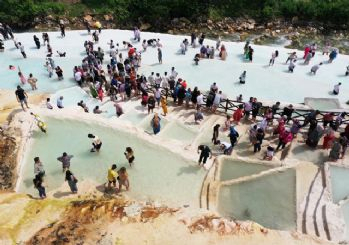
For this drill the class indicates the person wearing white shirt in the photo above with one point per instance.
(216, 101)
(151, 79)
(200, 100)
(48, 104)
(77, 77)
(60, 102)
(336, 89)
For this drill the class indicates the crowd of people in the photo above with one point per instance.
(120, 81)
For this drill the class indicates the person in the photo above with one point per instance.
(83, 105)
(233, 135)
(96, 143)
(22, 97)
(65, 160)
(41, 124)
(32, 81)
(328, 119)
(336, 88)
(239, 98)
(237, 115)
(38, 167)
(335, 151)
(61, 54)
(259, 140)
(22, 78)
(248, 108)
(216, 101)
(60, 102)
(332, 55)
(214, 139)
(198, 116)
(160, 55)
(38, 184)
(48, 104)
(151, 104)
(296, 126)
(123, 178)
(59, 73)
(164, 105)
(62, 27)
(242, 78)
(204, 154)
(291, 66)
(292, 56)
(288, 111)
(269, 153)
(250, 53)
(326, 48)
(343, 141)
(21, 48)
(328, 138)
(112, 176)
(129, 155)
(155, 123)
(37, 41)
(72, 180)
(284, 138)
(157, 94)
(274, 55)
(118, 109)
(314, 69)
(49, 69)
(226, 148)
(96, 110)
(308, 58)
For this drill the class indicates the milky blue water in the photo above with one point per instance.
(157, 173)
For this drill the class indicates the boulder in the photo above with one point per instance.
(88, 18)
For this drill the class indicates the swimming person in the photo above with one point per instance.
(22, 97)
(38, 167)
(112, 175)
(72, 180)
(123, 178)
(204, 154)
(65, 160)
(129, 155)
(155, 123)
(96, 143)
(21, 48)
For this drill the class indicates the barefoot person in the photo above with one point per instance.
(123, 178)
(112, 176)
(22, 97)
(65, 160)
(129, 155)
(204, 154)
(71, 181)
(96, 143)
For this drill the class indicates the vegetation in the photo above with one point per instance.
(159, 12)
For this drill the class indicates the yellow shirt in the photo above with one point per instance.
(112, 175)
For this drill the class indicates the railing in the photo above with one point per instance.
(229, 106)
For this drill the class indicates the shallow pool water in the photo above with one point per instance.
(269, 200)
(259, 74)
(233, 169)
(178, 131)
(339, 182)
(322, 105)
(157, 173)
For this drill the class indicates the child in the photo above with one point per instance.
(269, 154)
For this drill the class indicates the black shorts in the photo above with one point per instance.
(131, 159)
(97, 147)
(112, 182)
